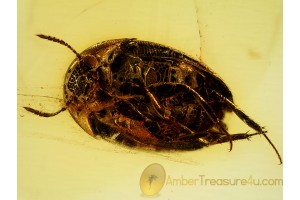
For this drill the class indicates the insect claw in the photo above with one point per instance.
(230, 141)
(228, 135)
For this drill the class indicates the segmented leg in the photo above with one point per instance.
(238, 136)
(208, 110)
(251, 123)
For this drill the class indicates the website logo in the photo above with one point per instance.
(152, 179)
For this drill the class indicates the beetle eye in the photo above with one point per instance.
(88, 62)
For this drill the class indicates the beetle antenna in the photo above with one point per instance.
(54, 39)
(44, 114)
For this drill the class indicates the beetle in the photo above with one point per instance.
(144, 94)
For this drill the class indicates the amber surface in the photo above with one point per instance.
(240, 40)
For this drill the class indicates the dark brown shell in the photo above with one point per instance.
(146, 94)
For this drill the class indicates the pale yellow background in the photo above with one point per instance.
(242, 42)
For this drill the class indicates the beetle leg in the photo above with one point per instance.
(238, 136)
(245, 118)
(160, 109)
(206, 108)
(157, 114)
(216, 137)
